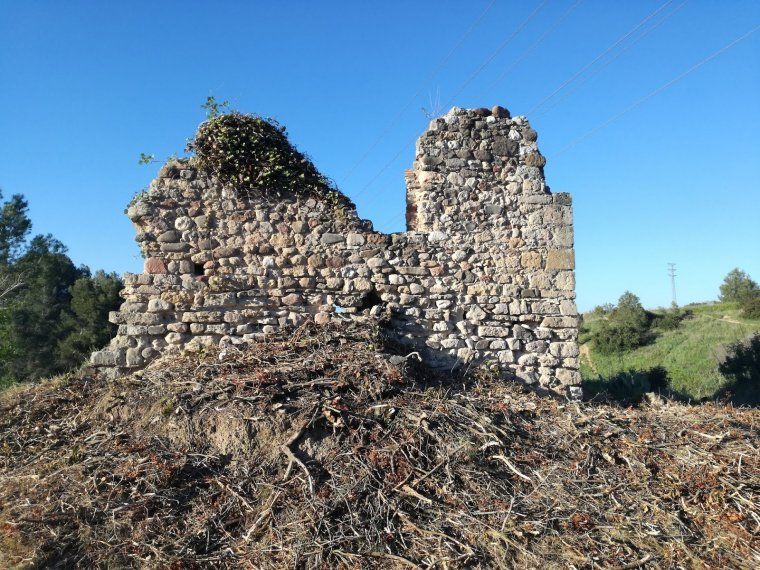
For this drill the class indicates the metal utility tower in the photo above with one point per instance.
(672, 273)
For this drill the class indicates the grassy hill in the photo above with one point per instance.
(689, 354)
(319, 449)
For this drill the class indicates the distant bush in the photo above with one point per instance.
(670, 319)
(584, 334)
(602, 310)
(626, 328)
(629, 309)
(738, 287)
(52, 313)
(614, 337)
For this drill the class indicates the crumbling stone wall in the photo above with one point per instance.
(485, 272)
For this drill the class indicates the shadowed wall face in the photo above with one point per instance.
(485, 271)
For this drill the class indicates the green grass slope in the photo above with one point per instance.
(689, 354)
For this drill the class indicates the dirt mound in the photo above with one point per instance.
(317, 450)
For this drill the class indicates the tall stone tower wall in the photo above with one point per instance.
(485, 272)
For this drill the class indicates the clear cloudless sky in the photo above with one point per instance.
(86, 86)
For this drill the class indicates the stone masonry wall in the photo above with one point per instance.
(485, 272)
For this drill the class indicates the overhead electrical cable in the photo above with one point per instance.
(414, 98)
(640, 101)
(498, 50)
(461, 88)
(598, 57)
(538, 42)
(599, 69)
(657, 91)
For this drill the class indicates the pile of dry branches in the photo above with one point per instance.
(318, 450)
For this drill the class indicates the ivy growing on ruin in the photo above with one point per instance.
(253, 155)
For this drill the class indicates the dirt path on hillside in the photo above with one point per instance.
(726, 319)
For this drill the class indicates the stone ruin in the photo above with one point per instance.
(484, 271)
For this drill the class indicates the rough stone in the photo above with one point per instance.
(168, 237)
(155, 266)
(328, 239)
(292, 299)
(500, 112)
(560, 259)
(159, 305)
(354, 239)
(103, 358)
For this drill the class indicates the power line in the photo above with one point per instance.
(384, 168)
(461, 88)
(655, 92)
(491, 58)
(645, 98)
(600, 56)
(498, 50)
(411, 101)
(538, 42)
(611, 60)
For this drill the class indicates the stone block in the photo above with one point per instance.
(329, 239)
(559, 322)
(155, 266)
(170, 236)
(134, 358)
(560, 259)
(174, 338)
(492, 331)
(292, 299)
(530, 259)
(159, 306)
(564, 349)
(104, 358)
(175, 247)
(568, 377)
(184, 223)
(475, 314)
(202, 317)
(354, 239)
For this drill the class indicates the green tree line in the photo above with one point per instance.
(53, 313)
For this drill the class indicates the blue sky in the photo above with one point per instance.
(85, 87)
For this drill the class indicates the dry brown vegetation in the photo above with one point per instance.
(317, 450)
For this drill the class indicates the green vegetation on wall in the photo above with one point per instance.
(253, 155)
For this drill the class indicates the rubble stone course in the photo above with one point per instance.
(484, 272)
